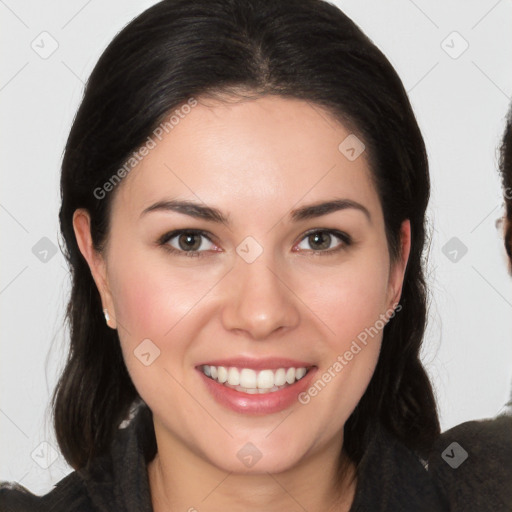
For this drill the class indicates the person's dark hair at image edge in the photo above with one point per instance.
(505, 164)
(303, 49)
(483, 483)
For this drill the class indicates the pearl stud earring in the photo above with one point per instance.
(107, 316)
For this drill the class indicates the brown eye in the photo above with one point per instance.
(324, 241)
(320, 240)
(189, 242)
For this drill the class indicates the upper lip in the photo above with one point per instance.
(271, 363)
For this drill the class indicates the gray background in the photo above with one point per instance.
(460, 98)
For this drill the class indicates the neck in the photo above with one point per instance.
(182, 480)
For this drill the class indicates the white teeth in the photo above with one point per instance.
(290, 375)
(234, 377)
(255, 390)
(280, 377)
(299, 373)
(266, 379)
(251, 381)
(222, 374)
(248, 378)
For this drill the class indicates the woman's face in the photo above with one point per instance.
(279, 282)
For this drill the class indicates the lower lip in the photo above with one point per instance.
(266, 403)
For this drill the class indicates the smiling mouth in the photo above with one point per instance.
(252, 381)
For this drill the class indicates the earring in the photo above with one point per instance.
(107, 316)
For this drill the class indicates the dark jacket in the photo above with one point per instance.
(390, 477)
(483, 482)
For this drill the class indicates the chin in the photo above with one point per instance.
(275, 463)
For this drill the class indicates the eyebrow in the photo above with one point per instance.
(323, 208)
(208, 213)
(190, 208)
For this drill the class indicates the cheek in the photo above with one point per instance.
(155, 302)
(151, 296)
(350, 301)
(351, 298)
(164, 303)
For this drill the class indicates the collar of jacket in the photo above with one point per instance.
(390, 477)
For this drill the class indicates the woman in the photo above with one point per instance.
(243, 205)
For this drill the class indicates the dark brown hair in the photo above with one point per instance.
(303, 49)
(506, 176)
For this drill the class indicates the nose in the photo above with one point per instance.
(259, 301)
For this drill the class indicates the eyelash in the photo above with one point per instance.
(163, 241)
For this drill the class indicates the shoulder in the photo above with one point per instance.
(68, 495)
(116, 480)
(471, 465)
(393, 478)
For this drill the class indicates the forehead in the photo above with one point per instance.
(269, 151)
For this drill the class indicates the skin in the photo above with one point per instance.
(255, 161)
(506, 223)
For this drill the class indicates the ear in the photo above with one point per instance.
(95, 260)
(397, 273)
